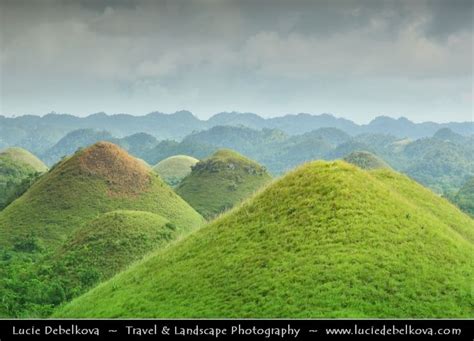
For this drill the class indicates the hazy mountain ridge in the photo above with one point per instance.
(136, 144)
(442, 161)
(435, 161)
(37, 133)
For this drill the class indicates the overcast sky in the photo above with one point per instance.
(354, 59)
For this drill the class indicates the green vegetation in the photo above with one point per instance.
(221, 181)
(71, 205)
(175, 168)
(447, 134)
(464, 198)
(109, 243)
(95, 252)
(441, 165)
(247, 141)
(327, 240)
(365, 160)
(19, 169)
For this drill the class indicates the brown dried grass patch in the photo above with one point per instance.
(124, 174)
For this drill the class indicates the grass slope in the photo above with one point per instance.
(98, 179)
(326, 240)
(18, 169)
(221, 181)
(175, 168)
(22, 156)
(103, 247)
(424, 198)
(365, 160)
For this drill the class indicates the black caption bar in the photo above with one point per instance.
(236, 329)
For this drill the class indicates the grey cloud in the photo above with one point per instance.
(210, 55)
(450, 17)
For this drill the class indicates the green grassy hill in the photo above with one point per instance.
(23, 156)
(221, 181)
(326, 240)
(18, 170)
(98, 179)
(101, 248)
(365, 160)
(173, 169)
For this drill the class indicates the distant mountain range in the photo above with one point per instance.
(37, 133)
(442, 162)
(437, 155)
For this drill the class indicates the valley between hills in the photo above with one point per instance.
(301, 217)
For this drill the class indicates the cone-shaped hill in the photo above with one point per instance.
(24, 157)
(174, 168)
(327, 240)
(366, 160)
(95, 180)
(221, 181)
(104, 246)
(18, 169)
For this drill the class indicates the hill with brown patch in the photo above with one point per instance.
(95, 180)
